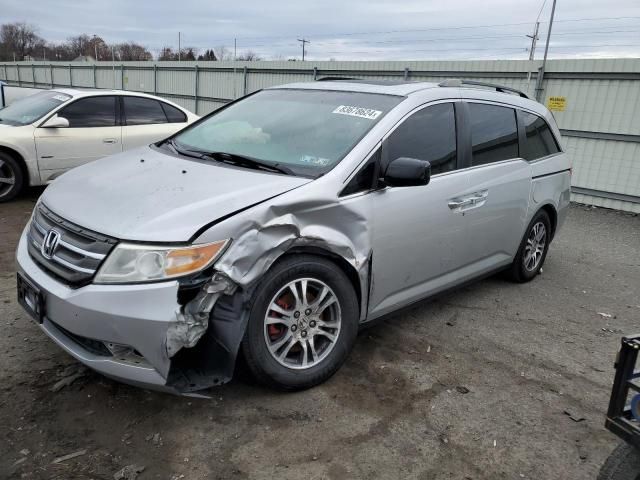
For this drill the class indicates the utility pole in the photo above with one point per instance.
(304, 42)
(113, 62)
(546, 50)
(534, 40)
(532, 51)
(179, 48)
(235, 51)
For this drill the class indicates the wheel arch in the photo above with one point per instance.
(344, 265)
(553, 216)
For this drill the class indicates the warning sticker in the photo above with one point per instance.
(557, 103)
(358, 112)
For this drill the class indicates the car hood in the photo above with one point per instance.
(147, 195)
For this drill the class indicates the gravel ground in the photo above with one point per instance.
(493, 381)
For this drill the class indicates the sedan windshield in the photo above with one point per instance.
(306, 132)
(29, 109)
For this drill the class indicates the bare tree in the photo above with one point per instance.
(167, 54)
(223, 53)
(19, 40)
(131, 51)
(249, 56)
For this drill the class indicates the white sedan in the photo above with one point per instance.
(46, 134)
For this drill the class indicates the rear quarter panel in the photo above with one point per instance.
(551, 185)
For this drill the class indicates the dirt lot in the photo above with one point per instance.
(494, 381)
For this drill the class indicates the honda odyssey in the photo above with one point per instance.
(279, 224)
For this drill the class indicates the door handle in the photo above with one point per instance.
(476, 199)
(109, 140)
(458, 204)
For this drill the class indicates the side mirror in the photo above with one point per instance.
(407, 172)
(56, 122)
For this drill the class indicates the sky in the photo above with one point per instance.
(347, 29)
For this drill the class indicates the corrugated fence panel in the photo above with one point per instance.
(109, 77)
(139, 80)
(61, 75)
(600, 120)
(180, 82)
(220, 84)
(82, 76)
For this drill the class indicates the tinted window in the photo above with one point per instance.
(173, 114)
(540, 141)
(494, 134)
(429, 134)
(143, 111)
(91, 112)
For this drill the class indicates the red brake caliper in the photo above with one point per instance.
(276, 330)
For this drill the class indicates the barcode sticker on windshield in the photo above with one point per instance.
(62, 98)
(358, 112)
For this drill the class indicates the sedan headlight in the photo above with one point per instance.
(143, 263)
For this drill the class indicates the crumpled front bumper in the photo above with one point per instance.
(135, 316)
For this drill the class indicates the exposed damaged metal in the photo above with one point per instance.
(192, 319)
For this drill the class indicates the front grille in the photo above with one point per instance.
(78, 254)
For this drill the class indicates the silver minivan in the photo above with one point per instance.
(281, 223)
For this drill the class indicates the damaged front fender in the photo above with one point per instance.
(204, 340)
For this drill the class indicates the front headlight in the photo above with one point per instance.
(143, 263)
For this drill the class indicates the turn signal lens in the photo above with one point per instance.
(191, 259)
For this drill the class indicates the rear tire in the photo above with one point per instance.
(303, 322)
(533, 249)
(11, 177)
(622, 464)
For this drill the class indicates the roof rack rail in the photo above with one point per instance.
(456, 82)
(336, 79)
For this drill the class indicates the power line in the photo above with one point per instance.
(230, 40)
(485, 49)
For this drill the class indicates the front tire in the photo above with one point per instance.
(303, 322)
(622, 464)
(533, 249)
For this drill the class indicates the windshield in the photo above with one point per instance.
(29, 109)
(305, 131)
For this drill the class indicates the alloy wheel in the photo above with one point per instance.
(302, 323)
(534, 249)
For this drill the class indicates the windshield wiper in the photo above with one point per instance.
(249, 162)
(183, 151)
(232, 159)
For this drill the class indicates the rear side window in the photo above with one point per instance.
(494, 133)
(143, 111)
(539, 140)
(429, 134)
(91, 112)
(173, 114)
